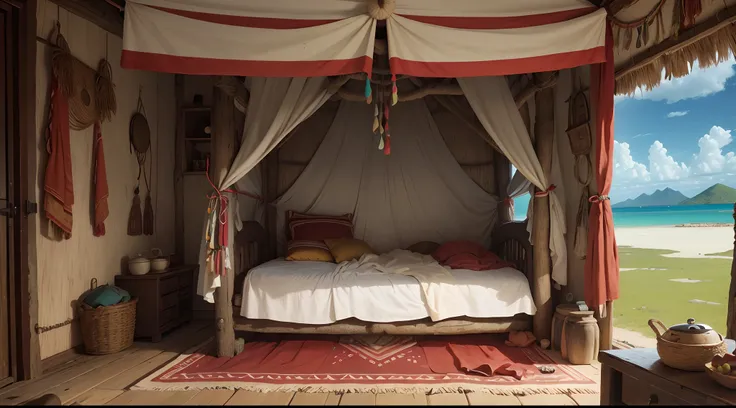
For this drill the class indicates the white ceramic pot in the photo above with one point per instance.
(159, 264)
(139, 266)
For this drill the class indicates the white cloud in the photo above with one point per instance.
(625, 168)
(709, 165)
(697, 84)
(676, 114)
(662, 166)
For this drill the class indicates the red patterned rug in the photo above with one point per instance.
(376, 364)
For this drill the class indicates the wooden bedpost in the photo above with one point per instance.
(502, 170)
(223, 151)
(731, 318)
(544, 130)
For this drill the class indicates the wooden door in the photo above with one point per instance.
(6, 115)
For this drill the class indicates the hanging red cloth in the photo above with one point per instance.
(58, 185)
(601, 263)
(101, 210)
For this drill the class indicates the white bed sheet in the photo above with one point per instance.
(314, 293)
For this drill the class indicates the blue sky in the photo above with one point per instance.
(678, 135)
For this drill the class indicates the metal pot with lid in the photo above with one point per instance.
(686, 333)
(687, 346)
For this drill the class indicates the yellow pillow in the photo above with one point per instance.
(346, 249)
(308, 251)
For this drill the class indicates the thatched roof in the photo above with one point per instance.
(671, 48)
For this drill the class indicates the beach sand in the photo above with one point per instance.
(688, 242)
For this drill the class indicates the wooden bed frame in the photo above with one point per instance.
(510, 241)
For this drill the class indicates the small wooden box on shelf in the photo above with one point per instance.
(164, 299)
(197, 142)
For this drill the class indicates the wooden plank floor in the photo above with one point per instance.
(106, 380)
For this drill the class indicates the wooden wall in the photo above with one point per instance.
(64, 269)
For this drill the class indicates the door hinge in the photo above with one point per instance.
(31, 207)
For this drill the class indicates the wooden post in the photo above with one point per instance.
(179, 171)
(606, 326)
(731, 318)
(502, 171)
(544, 130)
(223, 151)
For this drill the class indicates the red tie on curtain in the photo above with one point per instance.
(601, 264)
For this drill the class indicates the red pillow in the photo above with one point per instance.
(309, 227)
(449, 249)
(468, 255)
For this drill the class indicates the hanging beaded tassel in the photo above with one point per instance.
(368, 91)
(394, 90)
(387, 145)
(375, 118)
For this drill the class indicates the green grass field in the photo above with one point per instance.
(648, 292)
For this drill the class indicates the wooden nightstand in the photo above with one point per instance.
(637, 377)
(164, 299)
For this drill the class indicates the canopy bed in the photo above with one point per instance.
(383, 164)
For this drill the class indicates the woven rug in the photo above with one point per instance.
(376, 364)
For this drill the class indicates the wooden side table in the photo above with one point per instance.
(637, 377)
(164, 299)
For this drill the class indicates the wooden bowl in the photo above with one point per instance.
(728, 381)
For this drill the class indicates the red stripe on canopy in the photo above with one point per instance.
(552, 62)
(246, 21)
(209, 66)
(496, 23)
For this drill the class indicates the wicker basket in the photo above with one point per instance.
(689, 357)
(108, 329)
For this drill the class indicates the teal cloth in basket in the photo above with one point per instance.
(106, 295)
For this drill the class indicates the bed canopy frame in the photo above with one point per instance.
(391, 60)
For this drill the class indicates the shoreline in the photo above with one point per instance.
(687, 225)
(692, 241)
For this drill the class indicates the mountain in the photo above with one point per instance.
(667, 196)
(715, 194)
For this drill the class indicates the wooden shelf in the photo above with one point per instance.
(195, 173)
(198, 139)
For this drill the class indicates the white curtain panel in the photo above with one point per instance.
(494, 106)
(275, 108)
(418, 193)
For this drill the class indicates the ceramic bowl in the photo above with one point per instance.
(159, 264)
(139, 266)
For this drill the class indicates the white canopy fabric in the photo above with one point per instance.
(501, 119)
(418, 193)
(247, 38)
(275, 108)
(468, 48)
(331, 37)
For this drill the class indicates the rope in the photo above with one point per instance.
(545, 193)
(380, 11)
(636, 23)
(598, 199)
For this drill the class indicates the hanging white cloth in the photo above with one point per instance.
(275, 108)
(418, 193)
(501, 119)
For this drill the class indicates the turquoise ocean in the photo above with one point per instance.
(656, 216)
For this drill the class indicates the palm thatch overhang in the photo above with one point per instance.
(661, 39)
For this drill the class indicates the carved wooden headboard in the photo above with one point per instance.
(510, 241)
